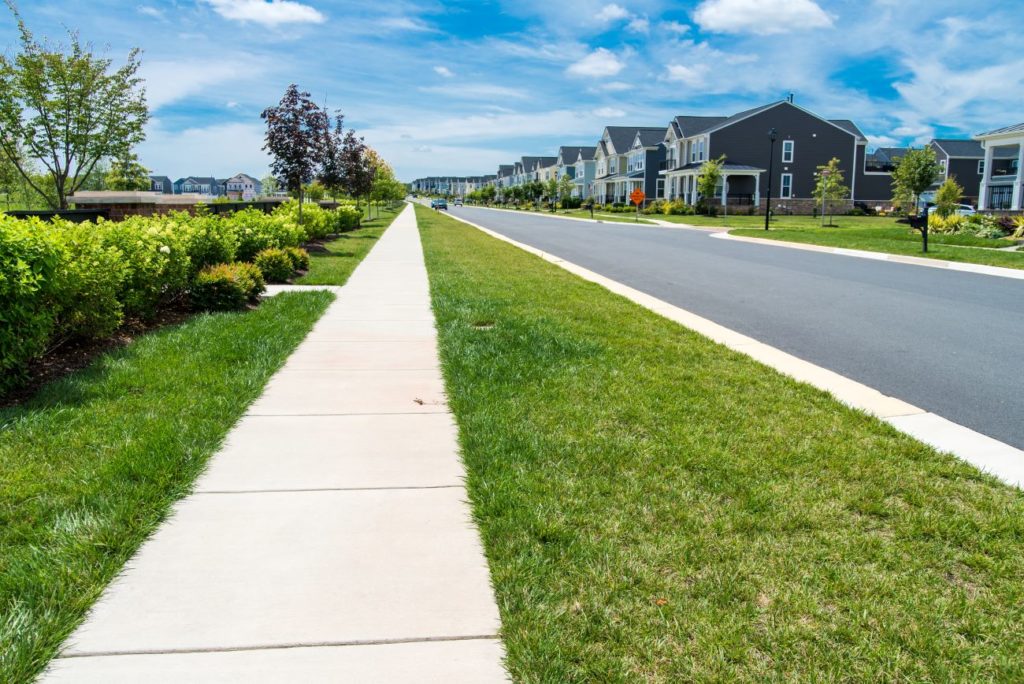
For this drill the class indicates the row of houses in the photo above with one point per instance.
(665, 161)
(457, 186)
(241, 186)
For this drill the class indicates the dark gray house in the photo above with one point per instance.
(964, 161)
(161, 184)
(202, 185)
(621, 162)
(804, 141)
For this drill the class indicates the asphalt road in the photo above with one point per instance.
(947, 341)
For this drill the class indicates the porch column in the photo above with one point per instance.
(987, 168)
(1016, 203)
(725, 189)
(757, 190)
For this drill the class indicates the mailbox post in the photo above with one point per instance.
(920, 224)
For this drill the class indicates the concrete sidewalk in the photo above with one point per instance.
(330, 539)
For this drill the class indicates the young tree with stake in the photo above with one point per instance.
(296, 139)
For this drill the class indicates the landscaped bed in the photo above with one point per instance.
(91, 464)
(332, 262)
(655, 507)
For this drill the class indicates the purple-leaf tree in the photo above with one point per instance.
(332, 174)
(358, 165)
(296, 139)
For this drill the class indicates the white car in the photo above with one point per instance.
(961, 209)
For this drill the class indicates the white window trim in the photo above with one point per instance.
(783, 188)
(787, 156)
(981, 167)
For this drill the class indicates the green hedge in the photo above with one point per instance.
(61, 281)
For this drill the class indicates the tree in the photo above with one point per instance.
(914, 173)
(947, 197)
(829, 187)
(566, 185)
(332, 174)
(551, 190)
(295, 138)
(126, 173)
(315, 191)
(268, 184)
(66, 109)
(708, 180)
(356, 162)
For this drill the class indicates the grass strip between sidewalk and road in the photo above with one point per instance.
(335, 262)
(658, 508)
(91, 464)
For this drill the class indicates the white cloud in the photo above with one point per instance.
(612, 87)
(639, 25)
(476, 91)
(882, 141)
(220, 150)
(609, 112)
(610, 13)
(443, 71)
(271, 13)
(405, 24)
(674, 27)
(169, 82)
(152, 12)
(692, 75)
(760, 17)
(231, 104)
(598, 64)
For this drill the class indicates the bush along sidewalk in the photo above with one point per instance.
(61, 282)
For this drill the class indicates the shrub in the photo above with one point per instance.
(275, 264)
(571, 203)
(256, 231)
(346, 217)
(951, 225)
(29, 257)
(678, 207)
(208, 239)
(223, 287)
(1018, 228)
(87, 283)
(985, 226)
(156, 265)
(257, 284)
(299, 257)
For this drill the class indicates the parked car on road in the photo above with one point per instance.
(458, 201)
(439, 204)
(961, 209)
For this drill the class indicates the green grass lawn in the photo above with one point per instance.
(658, 508)
(341, 256)
(91, 464)
(871, 233)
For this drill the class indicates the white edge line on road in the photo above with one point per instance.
(980, 269)
(986, 454)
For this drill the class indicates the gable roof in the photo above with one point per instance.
(621, 137)
(849, 127)
(569, 155)
(686, 126)
(959, 148)
(1016, 128)
(649, 137)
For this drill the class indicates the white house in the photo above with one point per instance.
(1002, 185)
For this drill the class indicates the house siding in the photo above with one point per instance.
(816, 142)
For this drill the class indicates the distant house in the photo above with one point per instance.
(161, 184)
(577, 163)
(505, 176)
(804, 141)
(613, 179)
(242, 186)
(1002, 183)
(201, 185)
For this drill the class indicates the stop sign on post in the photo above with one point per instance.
(637, 197)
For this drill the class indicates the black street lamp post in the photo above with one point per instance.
(772, 135)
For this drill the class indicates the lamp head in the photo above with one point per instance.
(773, 134)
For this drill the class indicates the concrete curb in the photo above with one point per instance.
(988, 455)
(980, 269)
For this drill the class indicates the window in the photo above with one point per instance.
(700, 151)
(787, 186)
(661, 188)
(981, 167)
(693, 152)
(942, 165)
(787, 151)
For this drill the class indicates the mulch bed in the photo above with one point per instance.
(74, 356)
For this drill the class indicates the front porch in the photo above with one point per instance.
(1002, 183)
(740, 184)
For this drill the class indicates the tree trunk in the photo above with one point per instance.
(300, 204)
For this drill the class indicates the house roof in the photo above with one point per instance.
(621, 137)
(160, 178)
(650, 137)
(959, 148)
(568, 155)
(198, 180)
(849, 127)
(691, 125)
(888, 154)
(1016, 128)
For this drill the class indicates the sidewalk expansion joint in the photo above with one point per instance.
(276, 647)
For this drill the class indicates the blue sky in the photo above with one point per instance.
(459, 87)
